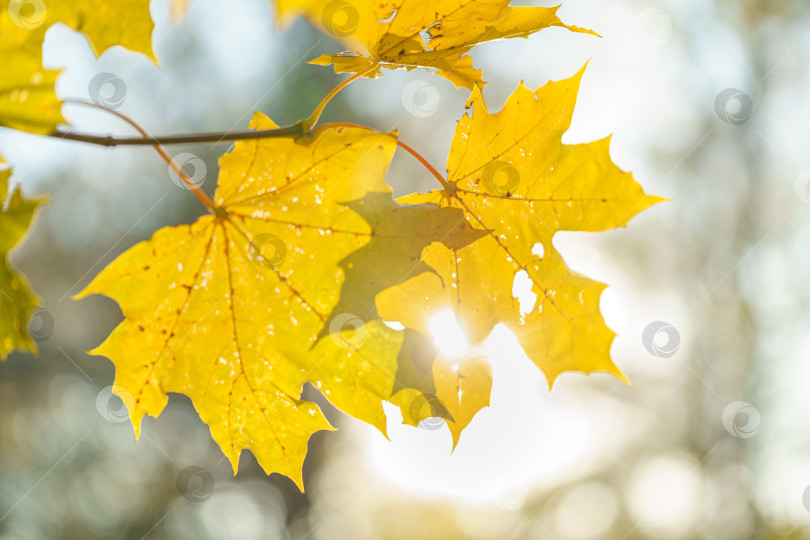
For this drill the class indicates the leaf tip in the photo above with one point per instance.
(580, 30)
(572, 28)
(81, 295)
(616, 372)
(299, 482)
(456, 437)
(476, 96)
(322, 60)
(233, 459)
(646, 202)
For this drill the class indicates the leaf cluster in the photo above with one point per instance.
(305, 260)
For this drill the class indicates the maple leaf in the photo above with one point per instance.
(433, 385)
(399, 234)
(16, 299)
(27, 97)
(512, 175)
(463, 385)
(413, 33)
(229, 310)
(106, 23)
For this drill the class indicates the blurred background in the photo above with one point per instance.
(708, 103)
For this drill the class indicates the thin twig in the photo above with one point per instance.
(310, 122)
(192, 138)
(295, 130)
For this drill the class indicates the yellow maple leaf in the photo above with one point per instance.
(413, 33)
(399, 234)
(435, 385)
(106, 23)
(464, 386)
(231, 310)
(512, 175)
(16, 299)
(27, 96)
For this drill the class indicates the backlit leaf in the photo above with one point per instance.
(237, 311)
(17, 302)
(414, 33)
(27, 96)
(437, 386)
(511, 174)
(463, 385)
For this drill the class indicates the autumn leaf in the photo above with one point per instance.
(229, 310)
(106, 23)
(399, 235)
(27, 97)
(16, 299)
(413, 33)
(433, 385)
(463, 385)
(511, 174)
